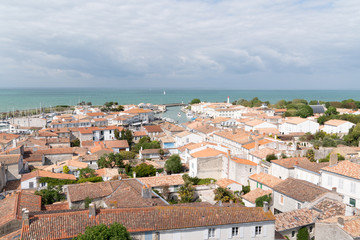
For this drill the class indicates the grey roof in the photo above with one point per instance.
(318, 108)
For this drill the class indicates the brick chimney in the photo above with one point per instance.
(146, 191)
(92, 210)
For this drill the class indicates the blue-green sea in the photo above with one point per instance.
(20, 99)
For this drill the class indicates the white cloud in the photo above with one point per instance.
(180, 43)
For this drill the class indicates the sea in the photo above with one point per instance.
(21, 99)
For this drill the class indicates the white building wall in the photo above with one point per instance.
(349, 187)
(307, 175)
(343, 128)
(245, 231)
(281, 172)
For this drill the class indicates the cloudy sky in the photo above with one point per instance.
(230, 44)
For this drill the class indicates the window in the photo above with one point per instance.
(31, 184)
(42, 184)
(341, 184)
(299, 206)
(211, 232)
(353, 187)
(281, 200)
(293, 234)
(352, 202)
(235, 231)
(329, 181)
(310, 229)
(250, 170)
(258, 230)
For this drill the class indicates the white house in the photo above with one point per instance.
(240, 169)
(256, 124)
(31, 180)
(337, 126)
(207, 163)
(284, 168)
(186, 137)
(309, 171)
(345, 177)
(165, 223)
(297, 125)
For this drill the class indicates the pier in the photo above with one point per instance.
(175, 104)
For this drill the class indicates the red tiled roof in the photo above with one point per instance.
(243, 161)
(153, 128)
(291, 162)
(266, 179)
(70, 224)
(40, 173)
(256, 193)
(345, 168)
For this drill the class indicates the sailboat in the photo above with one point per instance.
(179, 114)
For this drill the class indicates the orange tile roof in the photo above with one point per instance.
(290, 162)
(295, 120)
(163, 180)
(266, 179)
(40, 173)
(243, 161)
(254, 122)
(225, 182)
(345, 168)
(256, 193)
(261, 142)
(69, 224)
(336, 122)
(208, 152)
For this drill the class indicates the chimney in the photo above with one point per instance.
(333, 159)
(333, 189)
(233, 130)
(231, 201)
(220, 203)
(157, 174)
(134, 174)
(340, 222)
(256, 145)
(146, 191)
(25, 216)
(92, 210)
(266, 206)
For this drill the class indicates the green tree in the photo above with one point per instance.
(173, 164)
(186, 192)
(352, 138)
(195, 101)
(303, 234)
(145, 170)
(146, 143)
(127, 135)
(310, 154)
(50, 195)
(87, 172)
(304, 111)
(87, 202)
(260, 200)
(75, 143)
(331, 111)
(117, 134)
(127, 155)
(225, 195)
(66, 169)
(245, 189)
(271, 157)
(110, 160)
(103, 232)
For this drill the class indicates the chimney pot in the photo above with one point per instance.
(333, 189)
(340, 222)
(146, 192)
(266, 206)
(134, 174)
(92, 210)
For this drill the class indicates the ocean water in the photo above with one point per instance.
(20, 99)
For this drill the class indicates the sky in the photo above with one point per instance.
(187, 44)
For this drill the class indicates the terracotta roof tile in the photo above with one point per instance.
(208, 152)
(296, 218)
(163, 180)
(41, 173)
(300, 190)
(345, 168)
(243, 161)
(225, 182)
(290, 162)
(70, 224)
(256, 193)
(266, 179)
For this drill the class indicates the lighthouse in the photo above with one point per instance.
(228, 99)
